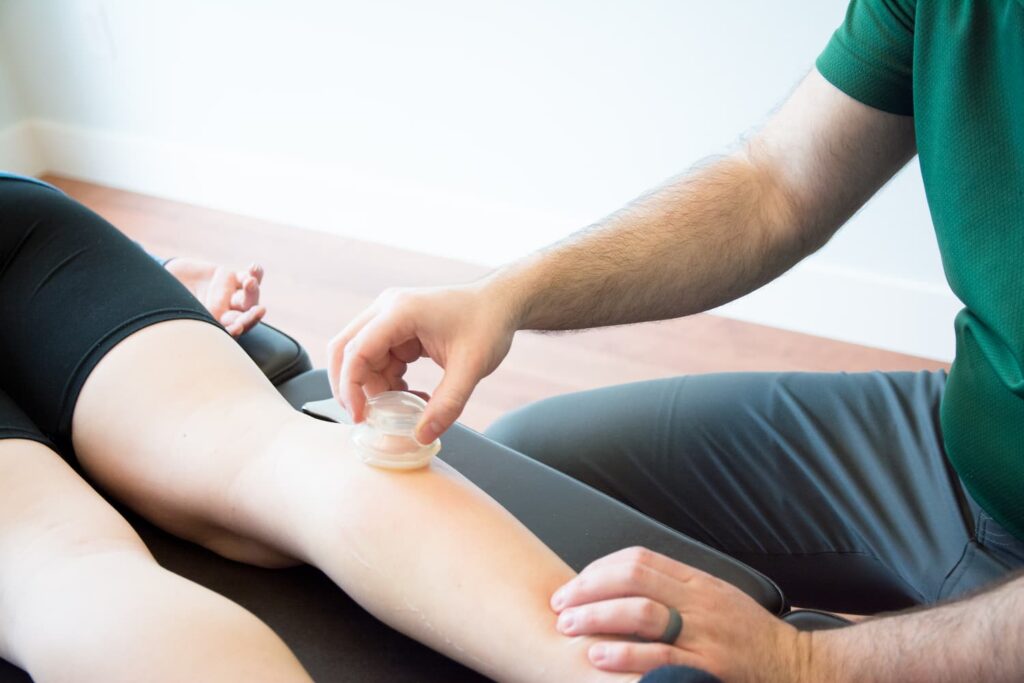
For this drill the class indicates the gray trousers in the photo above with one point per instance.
(834, 485)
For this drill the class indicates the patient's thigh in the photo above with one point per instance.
(81, 599)
(167, 422)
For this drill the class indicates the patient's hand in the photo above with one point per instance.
(231, 296)
(724, 631)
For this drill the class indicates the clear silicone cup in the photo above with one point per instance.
(386, 437)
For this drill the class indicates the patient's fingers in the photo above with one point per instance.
(238, 323)
(246, 296)
(254, 271)
(218, 294)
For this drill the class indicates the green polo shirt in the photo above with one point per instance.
(957, 67)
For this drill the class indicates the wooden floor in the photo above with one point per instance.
(316, 282)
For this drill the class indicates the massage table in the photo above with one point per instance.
(335, 639)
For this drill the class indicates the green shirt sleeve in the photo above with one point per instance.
(870, 56)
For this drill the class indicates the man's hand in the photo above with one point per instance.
(231, 296)
(724, 631)
(466, 330)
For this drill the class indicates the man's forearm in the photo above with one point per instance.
(977, 640)
(712, 235)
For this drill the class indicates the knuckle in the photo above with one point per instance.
(396, 297)
(649, 613)
(639, 555)
(635, 573)
(624, 654)
(664, 655)
(702, 583)
(447, 406)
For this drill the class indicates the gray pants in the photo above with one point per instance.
(834, 485)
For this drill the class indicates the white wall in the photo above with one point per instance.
(17, 151)
(475, 130)
(11, 111)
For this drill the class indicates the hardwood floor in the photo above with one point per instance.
(316, 282)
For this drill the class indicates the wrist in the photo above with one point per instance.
(504, 290)
(815, 658)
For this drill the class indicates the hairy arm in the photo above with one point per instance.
(973, 640)
(721, 230)
(705, 238)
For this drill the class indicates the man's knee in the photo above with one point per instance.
(512, 429)
(533, 431)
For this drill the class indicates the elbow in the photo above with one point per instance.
(791, 226)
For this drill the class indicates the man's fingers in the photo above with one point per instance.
(408, 351)
(368, 352)
(396, 369)
(445, 406)
(639, 657)
(637, 617)
(336, 352)
(619, 580)
(640, 555)
(376, 384)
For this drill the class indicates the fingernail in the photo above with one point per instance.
(558, 599)
(598, 653)
(566, 622)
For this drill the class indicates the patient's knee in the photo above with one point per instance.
(118, 616)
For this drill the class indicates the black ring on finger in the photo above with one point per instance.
(674, 627)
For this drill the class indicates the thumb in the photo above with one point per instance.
(448, 401)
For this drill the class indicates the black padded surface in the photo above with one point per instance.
(814, 620)
(579, 523)
(278, 355)
(338, 641)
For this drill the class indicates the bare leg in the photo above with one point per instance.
(81, 599)
(178, 422)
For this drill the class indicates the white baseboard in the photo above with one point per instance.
(856, 306)
(354, 202)
(18, 152)
(816, 297)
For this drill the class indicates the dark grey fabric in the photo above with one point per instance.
(836, 486)
(679, 674)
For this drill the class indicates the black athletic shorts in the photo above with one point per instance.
(71, 287)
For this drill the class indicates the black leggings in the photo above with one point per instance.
(71, 287)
